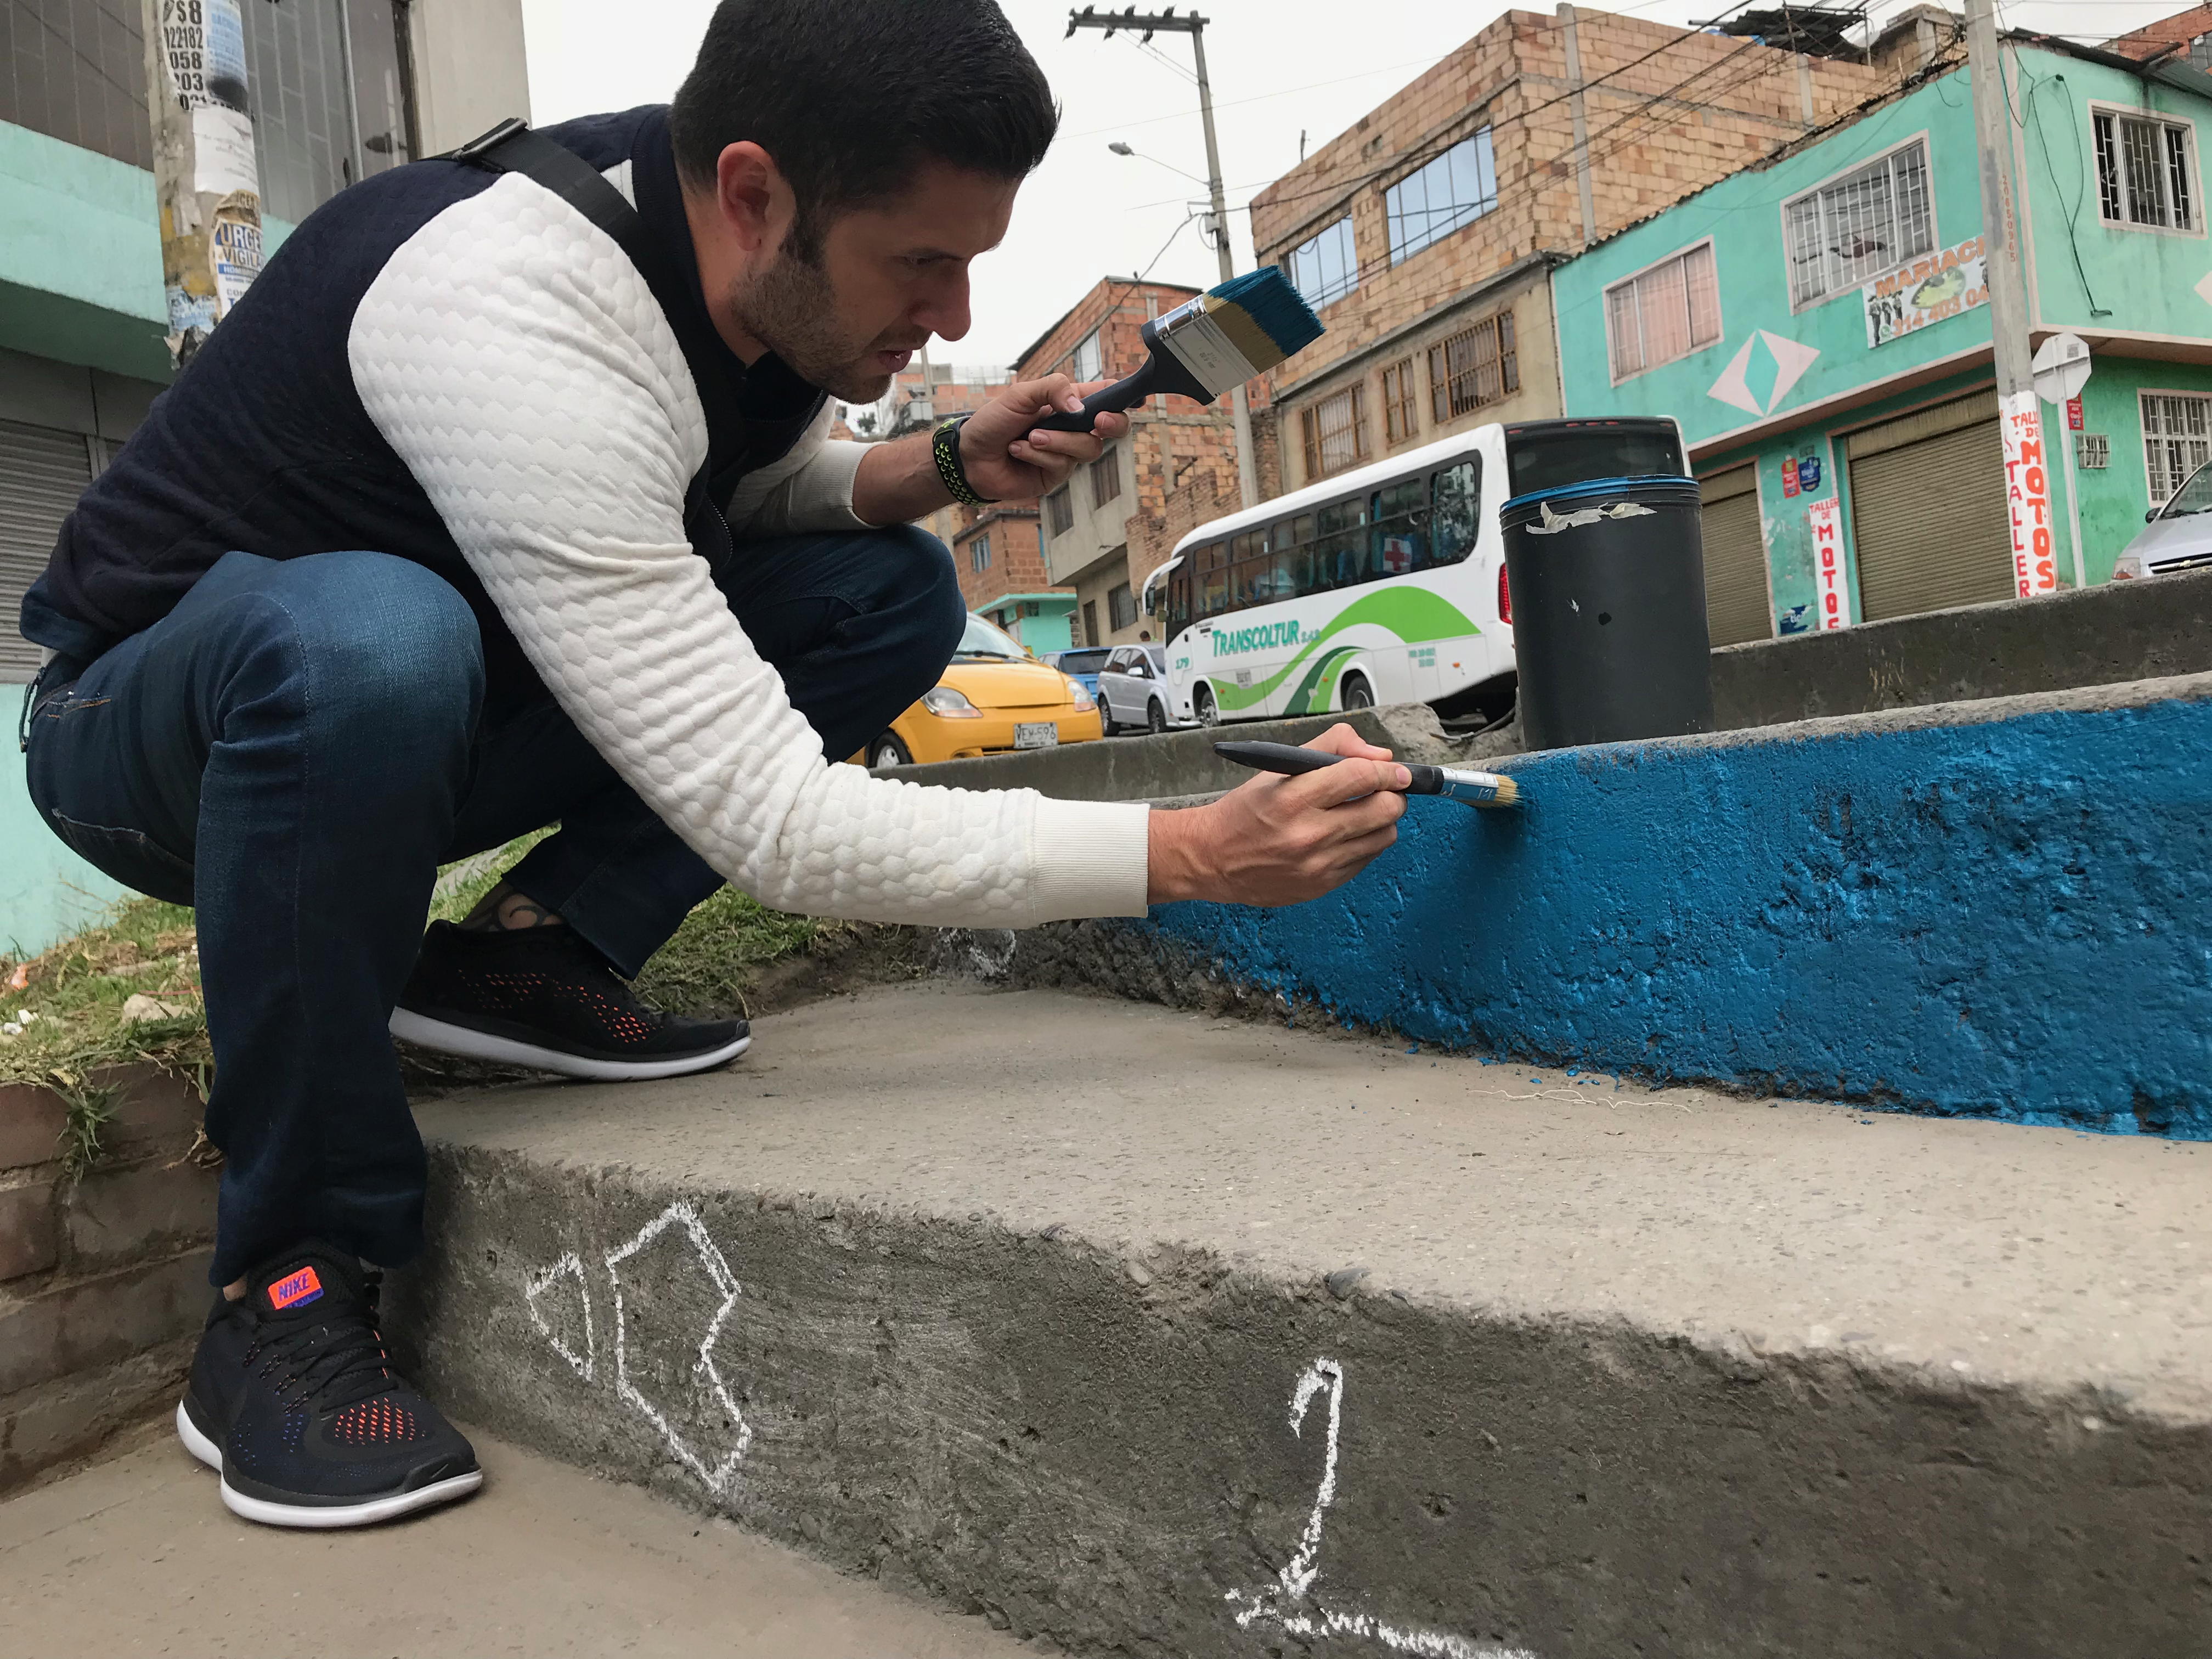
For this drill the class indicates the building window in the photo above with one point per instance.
(1871, 220)
(1121, 607)
(1059, 513)
(1083, 362)
(2143, 172)
(1090, 634)
(1326, 267)
(1106, 478)
(2177, 440)
(1335, 432)
(1665, 313)
(1475, 366)
(1398, 422)
(1456, 189)
(979, 553)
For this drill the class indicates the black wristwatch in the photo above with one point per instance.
(945, 449)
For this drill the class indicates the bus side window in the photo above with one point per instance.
(1179, 599)
(1341, 545)
(1402, 528)
(1457, 518)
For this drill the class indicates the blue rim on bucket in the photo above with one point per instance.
(1599, 486)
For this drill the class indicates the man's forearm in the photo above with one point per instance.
(898, 482)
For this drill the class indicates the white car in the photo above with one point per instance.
(1132, 691)
(2175, 536)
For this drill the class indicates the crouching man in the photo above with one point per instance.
(502, 500)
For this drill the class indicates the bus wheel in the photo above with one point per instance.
(887, 751)
(1357, 693)
(1201, 704)
(1156, 717)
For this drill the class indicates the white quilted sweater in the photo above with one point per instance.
(518, 364)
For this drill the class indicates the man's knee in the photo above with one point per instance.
(377, 641)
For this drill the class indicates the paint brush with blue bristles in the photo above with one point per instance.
(1209, 345)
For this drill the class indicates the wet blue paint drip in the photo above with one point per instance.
(2010, 920)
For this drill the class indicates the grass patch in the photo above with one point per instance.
(63, 1014)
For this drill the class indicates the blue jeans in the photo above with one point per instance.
(296, 748)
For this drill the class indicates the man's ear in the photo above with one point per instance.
(751, 196)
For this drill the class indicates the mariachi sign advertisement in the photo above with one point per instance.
(1828, 563)
(1926, 291)
(2028, 496)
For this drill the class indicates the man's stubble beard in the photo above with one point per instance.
(789, 309)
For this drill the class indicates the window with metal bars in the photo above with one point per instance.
(979, 554)
(1477, 366)
(2177, 440)
(1335, 433)
(1662, 313)
(1059, 513)
(1398, 421)
(1874, 219)
(1106, 478)
(2144, 172)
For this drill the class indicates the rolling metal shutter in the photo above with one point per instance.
(1736, 605)
(1928, 510)
(42, 472)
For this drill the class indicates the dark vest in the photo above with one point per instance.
(262, 445)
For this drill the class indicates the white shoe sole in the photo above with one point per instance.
(312, 1517)
(448, 1039)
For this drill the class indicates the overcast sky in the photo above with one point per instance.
(1279, 68)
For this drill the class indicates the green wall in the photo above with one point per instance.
(80, 256)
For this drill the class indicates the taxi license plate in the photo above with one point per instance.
(1041, 734)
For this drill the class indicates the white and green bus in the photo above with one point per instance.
(1385, 585)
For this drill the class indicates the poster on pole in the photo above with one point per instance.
(2028, 494)
(1825, 516)
(1926, 291)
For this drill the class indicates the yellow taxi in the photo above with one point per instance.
(993, 697)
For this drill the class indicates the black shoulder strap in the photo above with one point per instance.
(512, 147)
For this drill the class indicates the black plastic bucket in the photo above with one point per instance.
(1608, 587)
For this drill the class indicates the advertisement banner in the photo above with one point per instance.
(1926, 291)
(1825, 516)
(2028, 494)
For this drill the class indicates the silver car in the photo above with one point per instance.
(2175, 536)
(1132, 693)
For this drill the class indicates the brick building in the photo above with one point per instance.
(1097, 550)
(1424, 236)
(1002, 573)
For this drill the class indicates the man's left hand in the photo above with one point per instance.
(1008, 458)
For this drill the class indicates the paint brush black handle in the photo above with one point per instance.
(1108, 400)
(1473, 788)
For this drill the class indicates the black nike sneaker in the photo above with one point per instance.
(542, 997)
(293, 1398)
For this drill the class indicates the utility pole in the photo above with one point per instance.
(2019, 412)
(207, 183)
(1194, 26)
(1580, 116)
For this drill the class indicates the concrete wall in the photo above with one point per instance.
(2000, 909)
(46, 891)
(469, 68)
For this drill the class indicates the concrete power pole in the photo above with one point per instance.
(1247, 478)
(2019, 412)
(207, 182)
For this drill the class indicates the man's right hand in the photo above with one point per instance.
(1283, 840)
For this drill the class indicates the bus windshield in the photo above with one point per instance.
(1545, 455)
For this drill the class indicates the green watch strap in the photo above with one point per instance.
(944, 450)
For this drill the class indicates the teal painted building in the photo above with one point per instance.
(1819, 327)
(338, 90)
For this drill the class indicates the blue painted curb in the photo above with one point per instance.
(2011, 919)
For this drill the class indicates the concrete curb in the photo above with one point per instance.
(899, 1325)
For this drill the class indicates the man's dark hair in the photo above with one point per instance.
(851, 97)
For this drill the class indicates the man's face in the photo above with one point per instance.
(886, 278)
